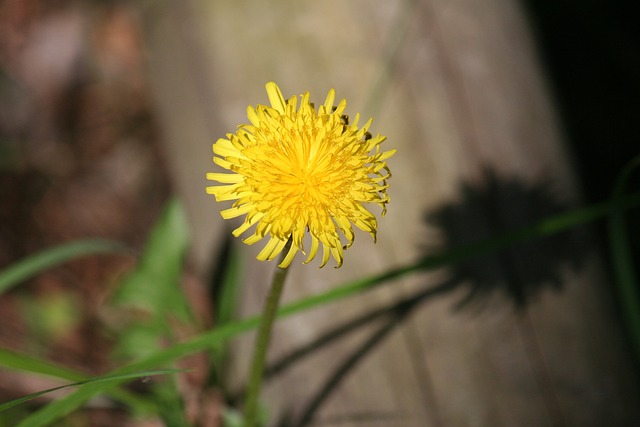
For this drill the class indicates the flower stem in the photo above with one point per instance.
(262, 344)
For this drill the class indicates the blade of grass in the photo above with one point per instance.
(35, 264)
(23, 362)
(111, 378)
(623, 266)
(549, 226)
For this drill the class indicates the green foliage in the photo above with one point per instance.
(103, 379)
(151, 293)
(152, 296)
(23, 362)
(27, 363)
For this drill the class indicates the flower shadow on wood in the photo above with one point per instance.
(495, 206)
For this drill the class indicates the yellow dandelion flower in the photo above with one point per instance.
(296, 170)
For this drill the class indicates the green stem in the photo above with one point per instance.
(262, 344)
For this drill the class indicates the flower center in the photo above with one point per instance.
(310, 181)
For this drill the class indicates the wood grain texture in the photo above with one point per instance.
(457, 89)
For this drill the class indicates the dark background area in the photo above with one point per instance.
(591, 51)
(591, 54)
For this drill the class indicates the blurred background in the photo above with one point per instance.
(502, 112)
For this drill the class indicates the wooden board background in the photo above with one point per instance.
(457, 88)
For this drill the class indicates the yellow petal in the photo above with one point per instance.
(271, 249)
(385, 155)
(315, 244)
(248, 222)
(340, 108)
(328, 102)
(223, 147)
(225, 178)
(289, 257)
(325, 255)
(337, 254)
(253, 116)
(223, 163)
(225, 192)
(275, 97)
(254, 238)
(236, 211)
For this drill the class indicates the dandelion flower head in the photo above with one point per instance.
(295, 170)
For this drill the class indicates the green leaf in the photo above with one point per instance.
(154, 284)
(37, 263)
(152, 291)
(106, 379)
(23, 362)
